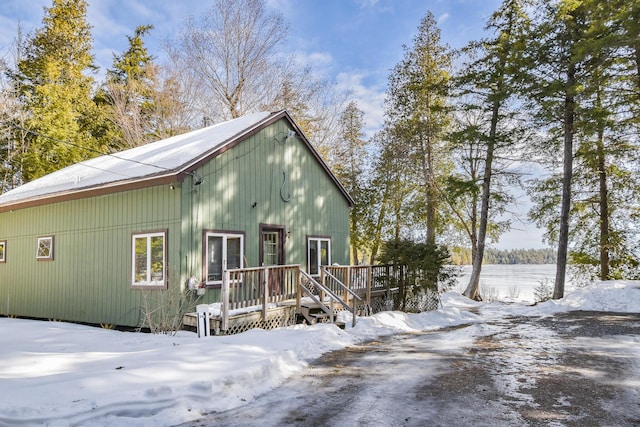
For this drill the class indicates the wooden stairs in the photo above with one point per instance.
(321, 301)
(311, 313)
(276, 296)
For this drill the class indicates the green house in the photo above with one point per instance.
(81, 243)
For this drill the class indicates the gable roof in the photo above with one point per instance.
(161, 162)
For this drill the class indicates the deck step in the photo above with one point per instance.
(319, 315)
(310, 305)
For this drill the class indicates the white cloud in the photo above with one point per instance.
(370, 99)
(366, 3)
(315, 59)
(442, 18)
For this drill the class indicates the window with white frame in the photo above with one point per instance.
(44, 252)
(149, 259)
(318, 254)
(222, 250)
(3, 251)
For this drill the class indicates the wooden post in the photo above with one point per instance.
(353, 314)
(347, 283)
(322, 281)
(224, 310)
(346, 296)
(298, 289)
(265, 296)
(203, 325)
(369, 282)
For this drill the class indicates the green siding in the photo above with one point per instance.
(252, 172)
(89, 279)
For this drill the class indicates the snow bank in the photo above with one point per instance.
(617, 296)
(58, 374)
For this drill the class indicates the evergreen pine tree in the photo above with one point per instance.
(557, 62)
(54, 75)
(348, 160)
(418, 114)
(490, 78)
(128, 94)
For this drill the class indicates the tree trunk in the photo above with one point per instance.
(354, 246)
(473, 288)
(636, 49)
(355, 258)
(377, 234)
(563, 237)
(604, 209)
(429, 184)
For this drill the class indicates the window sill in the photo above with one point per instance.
(153, 287)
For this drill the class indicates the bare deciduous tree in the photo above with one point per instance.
(233, 52)
(12, 118)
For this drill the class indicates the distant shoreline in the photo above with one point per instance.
(462, 256)
(513, 263)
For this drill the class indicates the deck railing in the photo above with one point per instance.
(258, 286)
(263, 286)
(364, 280)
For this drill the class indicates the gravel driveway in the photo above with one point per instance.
(571, 369)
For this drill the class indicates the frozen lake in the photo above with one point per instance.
(511, 282)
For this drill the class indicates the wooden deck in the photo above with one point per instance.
(276, 317)
(278, 296)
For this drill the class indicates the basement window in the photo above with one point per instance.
(149, 259)
(45, 248)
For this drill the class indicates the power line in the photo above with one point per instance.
(92, 150)
(197, 178)
(105, 170)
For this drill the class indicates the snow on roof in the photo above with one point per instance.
(165, 157)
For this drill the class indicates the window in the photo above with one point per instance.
(318, 254)
(223, 250)
(3, 251)
(271, 247)
(45, 248)
(149, 259)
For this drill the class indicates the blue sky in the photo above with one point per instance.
(355, 42)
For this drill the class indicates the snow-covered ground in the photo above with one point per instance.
(59, 374)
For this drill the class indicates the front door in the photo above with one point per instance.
(272, 253)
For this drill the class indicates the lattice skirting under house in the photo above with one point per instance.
(276, 318)
(286, 315)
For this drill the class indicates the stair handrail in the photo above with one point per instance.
(332, 295)
(327, 290)
(342, 285)
(310, 294)
(346, 289)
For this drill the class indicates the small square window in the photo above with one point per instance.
(3, 251)
(45, 248)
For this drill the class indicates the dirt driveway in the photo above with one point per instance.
(572, 369)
